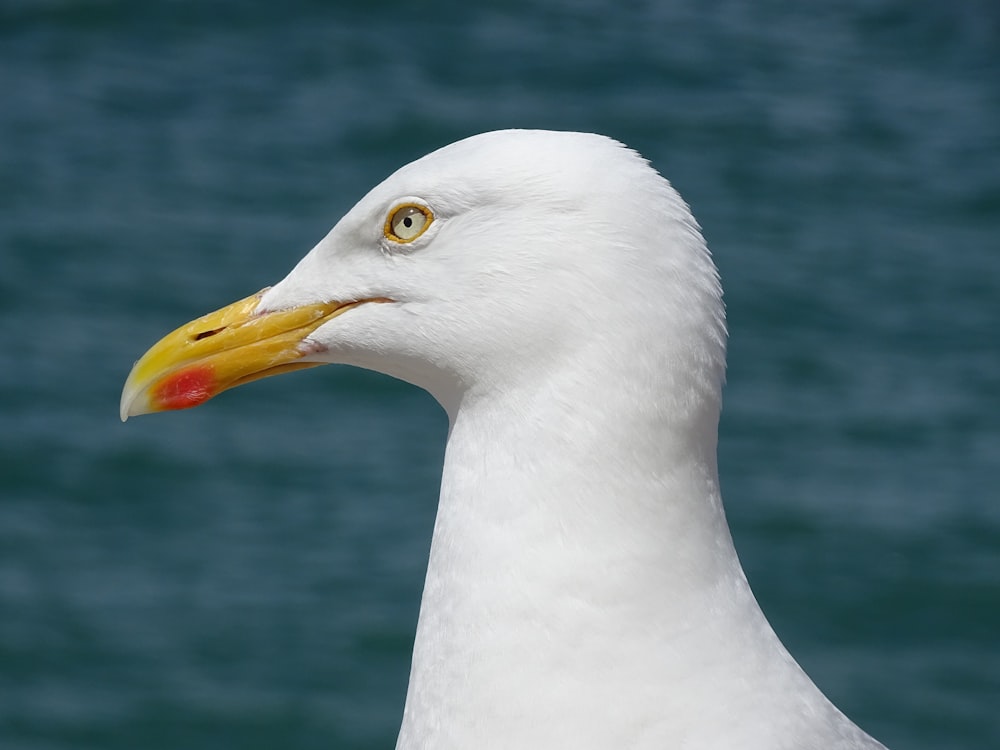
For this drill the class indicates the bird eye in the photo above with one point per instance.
(407, 222)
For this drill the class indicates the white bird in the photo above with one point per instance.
(554, 293)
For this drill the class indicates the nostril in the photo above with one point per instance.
(206, 334)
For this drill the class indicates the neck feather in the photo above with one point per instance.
(580, 550)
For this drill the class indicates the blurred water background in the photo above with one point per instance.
(247, 574)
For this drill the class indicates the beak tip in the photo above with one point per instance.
(125, 407)
(136, 398)
(128, 396)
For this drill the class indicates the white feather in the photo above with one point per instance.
(583, 590)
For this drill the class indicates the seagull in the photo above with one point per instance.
(553, 292)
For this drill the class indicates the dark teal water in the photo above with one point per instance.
(247, 574)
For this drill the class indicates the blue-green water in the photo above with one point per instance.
(247, 574)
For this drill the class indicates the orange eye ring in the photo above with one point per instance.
(407, 221)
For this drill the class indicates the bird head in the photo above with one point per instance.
(469, 269)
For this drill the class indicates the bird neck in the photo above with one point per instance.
(574, 556)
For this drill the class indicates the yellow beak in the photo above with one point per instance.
(221, 350)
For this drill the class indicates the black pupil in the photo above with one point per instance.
(408, 222)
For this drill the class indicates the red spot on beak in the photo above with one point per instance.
(186, 388)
